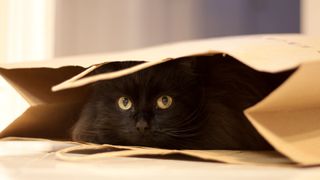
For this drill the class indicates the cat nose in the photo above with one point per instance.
(142, 126)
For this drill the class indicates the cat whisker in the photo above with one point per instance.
(189, 124)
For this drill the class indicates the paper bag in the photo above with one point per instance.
(289, 118)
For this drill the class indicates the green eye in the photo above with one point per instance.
(164, 102)
(124, 103)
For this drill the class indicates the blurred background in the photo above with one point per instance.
(43, 29)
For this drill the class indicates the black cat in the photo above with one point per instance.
(189, 103)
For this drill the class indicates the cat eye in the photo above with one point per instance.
(124, 103)
(164, 102)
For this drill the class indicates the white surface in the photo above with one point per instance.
(44, 165)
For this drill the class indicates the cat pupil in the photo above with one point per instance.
(165, 100)
(125, 101)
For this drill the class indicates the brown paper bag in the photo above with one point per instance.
(289, 118)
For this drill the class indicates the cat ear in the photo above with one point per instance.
(194, 64)
(187, 62)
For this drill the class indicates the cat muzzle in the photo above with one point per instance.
(142, 126)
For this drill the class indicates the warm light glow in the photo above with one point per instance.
(29, 30)
(12, 105)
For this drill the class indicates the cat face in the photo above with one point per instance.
(158, 106)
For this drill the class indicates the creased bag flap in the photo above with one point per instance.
(52, 121)
(34, 84)
(289, 118)
(50, 114)
(270, 53)
(94, 151)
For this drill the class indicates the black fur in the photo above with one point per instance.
(209, 95)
